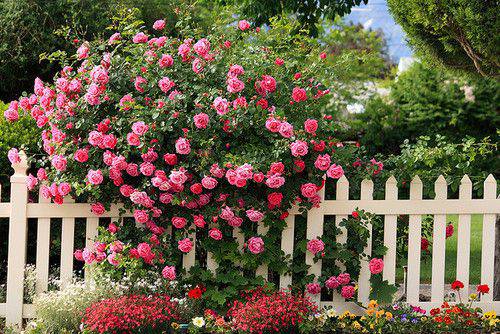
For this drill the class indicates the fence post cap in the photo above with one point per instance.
(21, 167)
(465, 180)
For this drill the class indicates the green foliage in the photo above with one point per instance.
(307, 13)
(427, 101)
(461, 35)
(22, 134)
(29, 28)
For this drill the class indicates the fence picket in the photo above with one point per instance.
(390, 233)
(287, 240)
(364, 274)
(211, 263)
(42, 250)
(18, 230)
(463, 239)
(342, 194)
(67, 246)
(439, 244)
(315, 221)
(91, 229)
(414, 244)
(262, 270)
(488, 240)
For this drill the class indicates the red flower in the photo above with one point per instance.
(424, 244)
(195, 293)
(435, 311)
(457, 285)
(483, 288)
(355, 214)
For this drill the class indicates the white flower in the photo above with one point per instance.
(330, 313)
(198, 322)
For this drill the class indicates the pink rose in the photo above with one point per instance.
(64, 188)
(332, 283)
(202, 47)
(116, 246)
(268, 83)
(169, 273)
(59, 162)
(243, 25)
(166, 61)
(315, 246)
(133, 139)
(235, 85)
(199, 221)
(347, 291)
(221, 105)
(185, 245)
(97, 208)
(256, 245)
(159, 25)
(179, 222)
(273, 125)
(299, 94)
(275, 181)
(254, 215)
(165, 84)
(286, 129)
(308, 190)
(376, 266)
(322, 162)
(147, 168)
(95, 177)
(13, 156)
(335, 172)
(226, 213)
(235, 222)
(201, 120)
(140, 38)
(275, 199)
(114, 38)
(144, 251)
(215, 234)
(113, 260)
(209, 182)
(344, 278)
(141, 216)
(313, 288)
(182, 146)
(81, 155)
(299, 148)
(311, 125)
(31, 182)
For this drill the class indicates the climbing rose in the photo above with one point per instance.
(243, 25)
(299, 94)
(376, 266)
(347, 291)
(315, 246)
(169, 273)
(215, 234)
(185, 245)
(313, 288)
(255, 245)
(335, 172)
(309, 190)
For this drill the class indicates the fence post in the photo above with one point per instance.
(18, 228)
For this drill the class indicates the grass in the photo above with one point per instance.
(451, 254)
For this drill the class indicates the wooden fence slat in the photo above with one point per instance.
(42, 250)
(463, 239)
(18, 235)
(67, 248)
(262, 270)
(342, 193)
(364, 274)
(414, 244)
(439, 244)
(488, 240)
(211, 263)
(189, 259)
(315, 220)
(390, 233)
(287, 241)
(91, 230)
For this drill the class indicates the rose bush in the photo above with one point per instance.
(202, 135)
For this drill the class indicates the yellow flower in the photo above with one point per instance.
(331, 313)
(379, 313)
(370, 311)
(473, 296)
(372, 304)
(356, 325)
(388, 315)
(345, 315)
(490, 315)
(175, 325)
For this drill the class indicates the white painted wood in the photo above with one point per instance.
(287, 243)
(488, 240)
(189, 259)
(42, 250)
(463, 239)
(414, 244)
(439, 244)
(342, 194)
(91, 230)
(67, 248)
(262, 270)
(315, 219)
(364, 274)
(390, 233)
(211, 263)
(18, 229)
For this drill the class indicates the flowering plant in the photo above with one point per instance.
(198, 136)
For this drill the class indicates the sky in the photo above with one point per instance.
(376, 15)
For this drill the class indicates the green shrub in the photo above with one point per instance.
(425, 101)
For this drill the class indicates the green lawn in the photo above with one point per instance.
(451, 254)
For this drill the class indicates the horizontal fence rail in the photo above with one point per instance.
(19, 210)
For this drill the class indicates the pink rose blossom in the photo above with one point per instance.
(347, 291)
(344, 278)
(286, 129)
(315, 246)
(201, 120)
(332, 283)
(311, 125)
(243, 25)
(299, 94)
(215, 234)
(59, 162)
(13, 156)
(31, 182)
(97, 208)
(209, 182)
(185, 245)
(299, 148)
(376, 266)
(221, 105)
(275, 181)
(179, 222)
(165, 84)
(95, 177)
(235, 85)
(140, 38)
(256, 245)
(322, 162)
(335, 171)
(254, 215)
(182, 146)
(169, 273)
(308, 190)
(159, 25)
(313, 288)
(165, 61)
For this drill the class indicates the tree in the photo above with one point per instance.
(307, 12)
(460, 35)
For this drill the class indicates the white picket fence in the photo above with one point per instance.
(19, 210)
